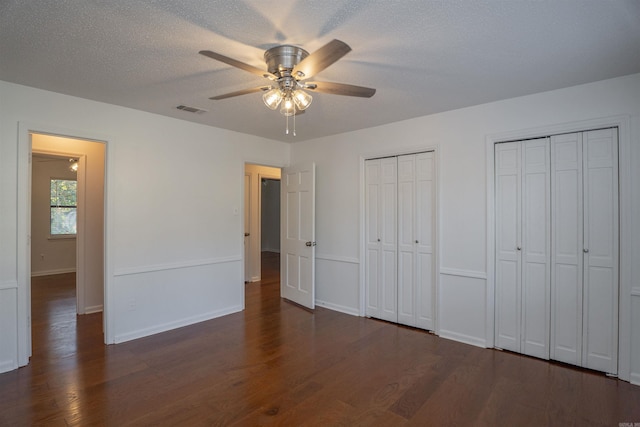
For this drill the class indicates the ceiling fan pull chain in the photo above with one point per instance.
(287, 130)
(294, 119)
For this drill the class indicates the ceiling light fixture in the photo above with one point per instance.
(287, 94)
(288, 68)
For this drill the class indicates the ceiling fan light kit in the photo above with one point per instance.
(288, 67)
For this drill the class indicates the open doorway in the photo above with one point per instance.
(66, 262)
(261, 222)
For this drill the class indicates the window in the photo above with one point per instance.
(63, 207)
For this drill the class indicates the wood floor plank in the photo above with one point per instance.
(277, 364)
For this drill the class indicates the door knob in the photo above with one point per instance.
(518, 248)
(416, 241)
(246, 234)
(586, 251)
(310, 244)
(378, 240)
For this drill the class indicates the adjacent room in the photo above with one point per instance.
(304, 213)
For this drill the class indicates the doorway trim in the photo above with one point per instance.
(622, 122)
(23, 233)
(244, 164)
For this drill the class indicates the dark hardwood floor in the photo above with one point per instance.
(278, 364)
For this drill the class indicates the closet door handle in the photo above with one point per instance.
(378, 240)
(585, 250)
(518, 248)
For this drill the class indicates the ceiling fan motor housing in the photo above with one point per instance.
(282, 59)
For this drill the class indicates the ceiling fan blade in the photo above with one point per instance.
(321, 59)
(340, 89)
(240, 92)
(237, 64)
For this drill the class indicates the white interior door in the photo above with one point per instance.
(425, 246)
(566, 241)
(297, 260)
(508, 241)
(600, 297)
(536, 248)
(407, 240)
(381, 238)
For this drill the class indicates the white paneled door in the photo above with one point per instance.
(297, 255)
(523, 247)
(556, 242)
(381, 238)
(584, 326)
(400, 239)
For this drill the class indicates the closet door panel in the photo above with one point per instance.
(566, 241)
(372, 237)
(535, 248)
(601, 250)
(406, 240)
(508, 226)
(389, 239)
(425, 231)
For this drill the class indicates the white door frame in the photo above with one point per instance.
(245, 163)
(23, 261)
(363, 243)
(624, 171)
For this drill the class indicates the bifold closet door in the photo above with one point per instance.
(523, 246)
(584, 324)
(381, 238)
(400, 239)
(416, 231)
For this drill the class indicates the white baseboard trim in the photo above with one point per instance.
(336, 307)
(466, 339)
(634, 379)
(145, 332)
(8, 365)
(93, 309)
(52, 272)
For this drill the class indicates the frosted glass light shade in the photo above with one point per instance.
(272, 98)
(288, 107)
(302, 99)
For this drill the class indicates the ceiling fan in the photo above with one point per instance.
(288, 68)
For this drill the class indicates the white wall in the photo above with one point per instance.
(48, 256)
(460, 138)
(173, 246)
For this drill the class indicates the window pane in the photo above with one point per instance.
(63, 192)
(63, 220)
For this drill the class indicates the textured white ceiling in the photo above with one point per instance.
(422, 56)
